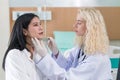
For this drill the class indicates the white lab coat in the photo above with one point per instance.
(93, 67)
(19, 66)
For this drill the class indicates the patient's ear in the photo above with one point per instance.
(25, 32)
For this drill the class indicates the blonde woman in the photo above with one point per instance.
(88, 59)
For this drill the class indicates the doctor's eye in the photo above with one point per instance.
(79, 23)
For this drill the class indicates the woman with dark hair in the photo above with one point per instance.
(18, 60)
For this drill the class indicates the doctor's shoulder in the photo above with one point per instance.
(100, 60)
(99, 57)
(101, 65)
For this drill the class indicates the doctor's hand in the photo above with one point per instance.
(52, 45)
(39, 47)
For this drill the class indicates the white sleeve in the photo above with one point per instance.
(92, 68)
(50, 68)
(14, 66)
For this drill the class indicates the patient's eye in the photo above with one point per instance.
(37, 24)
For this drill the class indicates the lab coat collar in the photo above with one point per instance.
(28, 54)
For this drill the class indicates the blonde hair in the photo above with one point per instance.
(95, 39)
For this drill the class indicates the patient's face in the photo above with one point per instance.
(35, 28)
(80, 26)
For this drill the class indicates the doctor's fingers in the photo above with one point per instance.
(33, 41)
(50, 45)
(43, 45)
(51, 41)
(36, 42)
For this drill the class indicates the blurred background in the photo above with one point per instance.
(58, 17)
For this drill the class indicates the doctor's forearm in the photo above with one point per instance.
(61, 61)
(51, 69)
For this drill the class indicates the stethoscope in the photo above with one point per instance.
(82, 54)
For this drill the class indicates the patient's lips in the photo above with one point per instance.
(41, 33)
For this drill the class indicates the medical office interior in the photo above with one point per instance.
(58, 17)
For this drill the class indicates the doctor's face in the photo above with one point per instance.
(80, 26)
(35, 28)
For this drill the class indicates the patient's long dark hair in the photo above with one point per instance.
(17, 38)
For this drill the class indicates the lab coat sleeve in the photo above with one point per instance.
(14, 66)
(64, 62)
(61, 59)
(50, 68)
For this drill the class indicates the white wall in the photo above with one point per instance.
(4, 31)
(63, 3)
